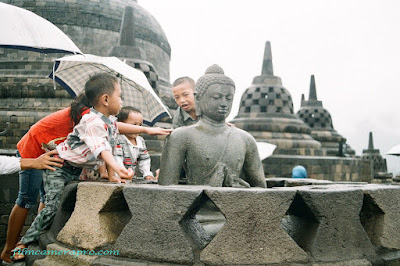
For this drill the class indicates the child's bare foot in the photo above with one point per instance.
(115, 179)
(149, 177)
(6, 256)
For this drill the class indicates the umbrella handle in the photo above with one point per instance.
(5, 131)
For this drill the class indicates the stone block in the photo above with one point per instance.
(252, 233)
(391, 258)
(380, 215)
(338, 233)
(67, 205)
(4, 219)
(60, 255)
(155, 232)
(3, 231)
(362, 262)
(96, 221)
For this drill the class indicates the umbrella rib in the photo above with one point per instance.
(96, 65)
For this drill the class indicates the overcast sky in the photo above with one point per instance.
(352, 48)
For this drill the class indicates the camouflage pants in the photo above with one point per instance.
(54, 183)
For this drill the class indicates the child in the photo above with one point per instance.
(183, 90)
(131, 149)
(91, 140)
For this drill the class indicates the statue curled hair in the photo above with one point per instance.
(214, 75)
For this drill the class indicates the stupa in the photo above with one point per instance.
(379, 165)
(319, 120)
(27, 95)
(266, 112)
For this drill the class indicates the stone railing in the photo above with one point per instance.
(341, 224)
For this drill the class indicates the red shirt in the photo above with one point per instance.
(52, 129)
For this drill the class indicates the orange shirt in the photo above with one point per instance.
(52, 129)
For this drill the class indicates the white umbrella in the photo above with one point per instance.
(73, 71)
(23, 29)
(394, 150)
(265, 149)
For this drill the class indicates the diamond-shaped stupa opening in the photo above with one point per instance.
(371, 217)
(115, 214)
(300, 223)
(203, 221)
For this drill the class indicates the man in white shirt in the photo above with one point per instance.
(12, 164)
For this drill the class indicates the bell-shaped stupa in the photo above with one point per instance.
(266, 112)
(96, 27)
(320, 121)
(379, 165)
(138, 56)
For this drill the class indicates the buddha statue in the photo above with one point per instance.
(212, 152)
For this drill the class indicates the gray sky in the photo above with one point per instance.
(351, 46)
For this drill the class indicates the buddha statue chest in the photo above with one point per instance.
(216, 158)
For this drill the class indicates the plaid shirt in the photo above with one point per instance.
(130, 155)
(94, 134)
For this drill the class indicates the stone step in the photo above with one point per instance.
(60, 255)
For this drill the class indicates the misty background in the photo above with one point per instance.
(352, 48)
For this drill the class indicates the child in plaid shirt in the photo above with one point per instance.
(91, 140)
(131, 149)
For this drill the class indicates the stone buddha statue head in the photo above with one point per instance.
(214, 95)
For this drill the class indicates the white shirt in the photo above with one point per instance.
(129, 155)
(9, 165)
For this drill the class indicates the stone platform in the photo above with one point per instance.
(320, 224)
(331, 168)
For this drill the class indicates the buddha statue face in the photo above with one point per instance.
(214, 94)
(216, 102)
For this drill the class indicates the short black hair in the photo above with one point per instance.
(181, 80)
(99, 84)
(125, 111)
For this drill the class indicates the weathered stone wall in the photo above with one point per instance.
(94, 26)
(8, 195)
(354, 224)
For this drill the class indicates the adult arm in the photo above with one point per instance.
(44, 161)
(125, 128)
(172, 158)
(9, 165)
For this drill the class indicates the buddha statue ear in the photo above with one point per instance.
(197, 104)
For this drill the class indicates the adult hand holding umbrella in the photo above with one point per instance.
(23, 29)
(72, 72)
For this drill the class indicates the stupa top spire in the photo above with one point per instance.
(267, 67)
(313, 89)
(312, 97)
(370, 142)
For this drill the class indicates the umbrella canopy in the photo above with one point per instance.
(265, 149)
(394, 150)
(23, 29)
(73, 71)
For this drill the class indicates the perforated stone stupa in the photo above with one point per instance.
(266, 112)
(320, 121)
(379, 165)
